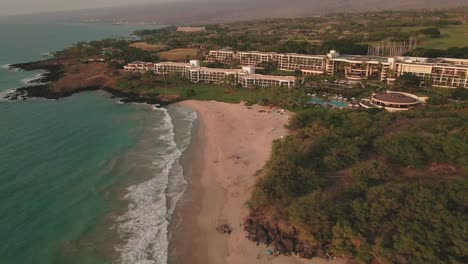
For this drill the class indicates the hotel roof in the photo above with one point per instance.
(304, 55)
(449, 62)
(393, 97)
(259, 52)
(270, 77)
(173, 63)
(361, 58)
(217, 70)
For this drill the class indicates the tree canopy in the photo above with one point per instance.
(374, 186)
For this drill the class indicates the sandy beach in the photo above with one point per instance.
(231, 143)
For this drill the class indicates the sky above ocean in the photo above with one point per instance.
(13, 7)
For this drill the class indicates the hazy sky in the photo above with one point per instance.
(13, 7)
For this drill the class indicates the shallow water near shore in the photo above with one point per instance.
(83, 179)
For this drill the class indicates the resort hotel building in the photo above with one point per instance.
(245, 77)
(252, 80)
(165, 68)
(357, 67)
(444, 72)
(307, 64)
(254, 58)
(223, 55)
(139, 66)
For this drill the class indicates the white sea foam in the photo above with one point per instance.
(5, 94)
(9, 67)
(30, 80)
(144, 227)
(177, 183)
(47, 54)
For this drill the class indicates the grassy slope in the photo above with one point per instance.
(452, 36)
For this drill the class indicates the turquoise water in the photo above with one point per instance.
(56, 163)
(24, 42)
(334, 103)
(83, 179)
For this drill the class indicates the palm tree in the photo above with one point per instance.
(427, 83)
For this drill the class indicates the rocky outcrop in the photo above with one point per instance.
(43, 91)
(55, 72)
(285, 242)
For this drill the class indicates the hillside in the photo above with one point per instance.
(373, 187)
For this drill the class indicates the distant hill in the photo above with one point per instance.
(220, 11)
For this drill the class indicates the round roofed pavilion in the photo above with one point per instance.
(395, 100)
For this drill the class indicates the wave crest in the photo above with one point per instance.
(144, 227)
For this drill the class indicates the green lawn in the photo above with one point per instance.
(203, 92)
(452, 36)
(216, 92)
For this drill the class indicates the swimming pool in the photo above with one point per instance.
(333, 103)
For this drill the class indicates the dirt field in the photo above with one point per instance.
(148, 47)
(178, 54)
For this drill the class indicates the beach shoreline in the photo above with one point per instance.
(230, 144)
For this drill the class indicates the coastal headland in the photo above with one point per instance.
(231, 144)
(64, 77)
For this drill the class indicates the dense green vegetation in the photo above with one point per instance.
(175, 86)
(434, 53)
(407, 81)
(347, 33)
(451, 36)
(374, 186)
(431, 32)
(111, 50)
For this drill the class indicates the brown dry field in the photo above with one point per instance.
(182, 54)
(148, 47)
(84, 75)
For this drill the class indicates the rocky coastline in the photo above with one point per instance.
(54, 71)
(284, 239)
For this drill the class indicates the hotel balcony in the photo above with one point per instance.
(355, 74)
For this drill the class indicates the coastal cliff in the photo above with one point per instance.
(65, 76)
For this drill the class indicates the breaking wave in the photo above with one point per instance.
(144, 227)
(31, 80)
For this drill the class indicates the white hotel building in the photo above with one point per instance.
(246, 76)
(254, 58)
(139, 66)
(223, 55)
(444, 72)
(307, 64)
(252, 80)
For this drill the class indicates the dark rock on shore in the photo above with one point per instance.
(43, 91)
(224, 229)
(54, 70)
(284, 242)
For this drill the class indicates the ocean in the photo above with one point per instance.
(84, 179)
